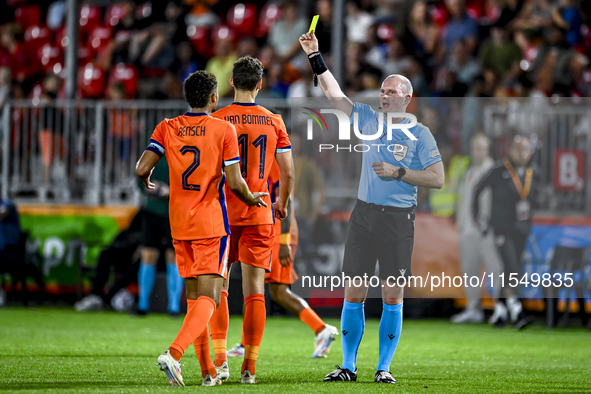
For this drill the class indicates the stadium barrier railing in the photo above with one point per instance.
(84, 152)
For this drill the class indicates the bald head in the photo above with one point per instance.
(395, 93)
(402, 81)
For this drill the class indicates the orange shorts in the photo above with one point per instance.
(280, 274)
(252, 245)
(202, 256)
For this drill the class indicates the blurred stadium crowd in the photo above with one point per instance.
(448, 48)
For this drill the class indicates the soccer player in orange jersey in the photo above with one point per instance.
(283, 274)
(202, 153)
(263, 139)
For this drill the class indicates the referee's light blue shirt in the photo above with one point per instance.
(419, 155)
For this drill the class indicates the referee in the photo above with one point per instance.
(382, 223)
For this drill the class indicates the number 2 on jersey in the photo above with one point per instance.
(260, 142)
(196, 161)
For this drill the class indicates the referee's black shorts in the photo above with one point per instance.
(383, 234)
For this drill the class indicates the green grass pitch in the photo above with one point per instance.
(61, 351)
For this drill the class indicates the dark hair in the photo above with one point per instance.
(247, 73)
(199, 87)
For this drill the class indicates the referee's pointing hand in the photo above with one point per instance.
(385, 170)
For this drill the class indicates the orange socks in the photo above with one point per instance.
(199, 313)
(309, 317)
(252, 328)
(219, 329)
(202, 350)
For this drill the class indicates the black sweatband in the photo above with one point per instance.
(317, 63)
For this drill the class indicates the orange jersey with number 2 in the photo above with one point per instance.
(197, 147)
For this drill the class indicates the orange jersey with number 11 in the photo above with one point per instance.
(197, 147)
(261, 134)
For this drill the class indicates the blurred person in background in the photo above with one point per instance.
(324, 27)
(122, 129)
(370, 84)
(169, 88)
(187, 61)
(528, 42)
(304, 86)
(444, 201)
(490, 83)
(550, 71)
(572, 21)
(222, 63)
(474, 247)
(357, 21)
(463, 64)
(460, 26)
(13, 54)
(275, 85)
(10, 237)
(514, 183)
(509, 11)
(284, 34)
(120, 258)
(247, 46)
(308, 196)
(416, 74)
(430, 117)
(157, 240)
(51, 132)
(471, 114)
(538, 15)
(357, 65)
(397, 60)
(146, 239)
(119, 48)
(500, 54)
(154, 46)
(449, 86)
(422, 30)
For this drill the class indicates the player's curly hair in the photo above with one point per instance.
(247, 73)
(198, 88)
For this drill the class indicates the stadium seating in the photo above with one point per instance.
(98, 38)
(114, 14)
(128, 75)
(91, 81)
(223, 32)
(90, 18)
(385, 32)
(27, 15)
(143, 11)
(50, 55)
(269, 14)
(199, 38)
(36, 36)
(242, 17)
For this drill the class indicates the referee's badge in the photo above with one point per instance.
(399, 152)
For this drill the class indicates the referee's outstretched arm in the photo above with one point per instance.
(328, 83)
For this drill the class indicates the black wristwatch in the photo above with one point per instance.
(401, 173)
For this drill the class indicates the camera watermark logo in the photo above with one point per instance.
(345, 128)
